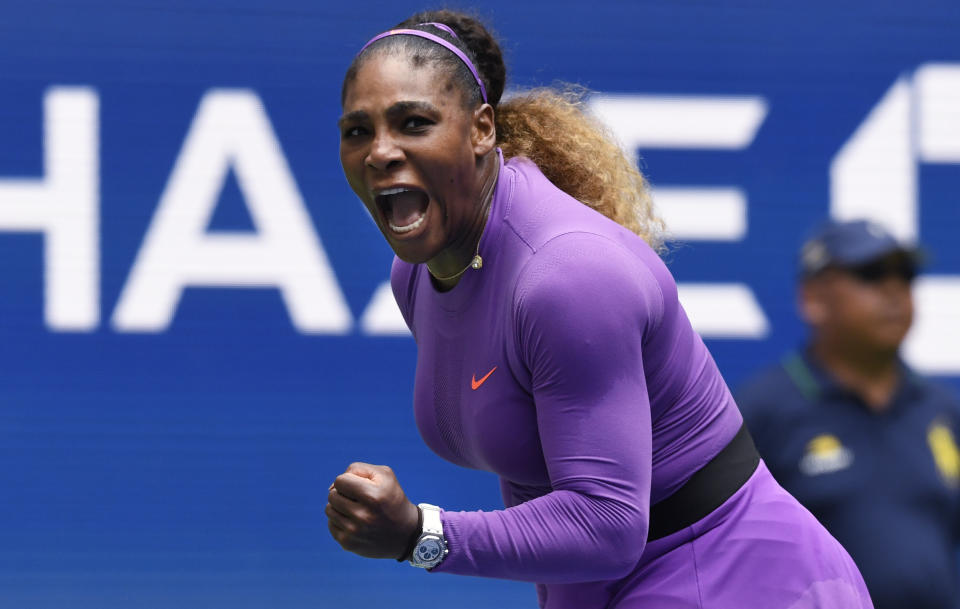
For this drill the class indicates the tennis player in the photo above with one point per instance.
(552, 350)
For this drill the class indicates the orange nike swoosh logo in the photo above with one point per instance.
(475, 384)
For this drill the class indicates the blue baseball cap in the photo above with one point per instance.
(850, 244)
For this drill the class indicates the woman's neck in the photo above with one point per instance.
(448, 267)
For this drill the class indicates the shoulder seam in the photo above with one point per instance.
(514, 230)
(601, 236)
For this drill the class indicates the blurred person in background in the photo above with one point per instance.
(553, 351)
(858, 437)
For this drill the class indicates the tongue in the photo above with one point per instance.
(407, 207)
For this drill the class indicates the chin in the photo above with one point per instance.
(410, 259)
(409, 252)
(889, 343)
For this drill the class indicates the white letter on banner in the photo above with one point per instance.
(693, 122)
(716, 213)
(382, 317)
(931, 344)
(231, 128)
(874, 175)
(63, 205)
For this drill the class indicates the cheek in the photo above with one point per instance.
(848, 307)
(462, 171)
(353, 172)
(352, 169)
(860, 309)
(450, 178)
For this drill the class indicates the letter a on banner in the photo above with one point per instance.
(231, 130)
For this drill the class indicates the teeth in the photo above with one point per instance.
(393, 191)
(408, 227)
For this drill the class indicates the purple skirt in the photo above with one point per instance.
(759, 550)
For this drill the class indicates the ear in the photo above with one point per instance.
(483, 133)
(811, 305)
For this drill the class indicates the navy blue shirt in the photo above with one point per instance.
(885, 484)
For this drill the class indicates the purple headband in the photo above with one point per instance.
(421, 34)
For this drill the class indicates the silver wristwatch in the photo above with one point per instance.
(431, 547)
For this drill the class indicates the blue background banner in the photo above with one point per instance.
(195, 337)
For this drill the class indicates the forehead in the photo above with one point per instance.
(383, 80)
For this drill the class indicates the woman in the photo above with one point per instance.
(552, 351)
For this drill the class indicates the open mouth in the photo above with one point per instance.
(404, 209)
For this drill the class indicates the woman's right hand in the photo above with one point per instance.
(369, 514)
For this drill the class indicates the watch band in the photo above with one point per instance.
(431, 519)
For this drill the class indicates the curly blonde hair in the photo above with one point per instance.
(576, 152)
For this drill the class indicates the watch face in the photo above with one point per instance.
(429, 550)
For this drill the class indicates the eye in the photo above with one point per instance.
(416, 123)
(352, 131)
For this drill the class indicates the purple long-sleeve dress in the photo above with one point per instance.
(567, 366)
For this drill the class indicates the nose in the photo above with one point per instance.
(384, 152)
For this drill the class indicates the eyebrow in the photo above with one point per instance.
(352, 117)
(405, 107)
(398, 109)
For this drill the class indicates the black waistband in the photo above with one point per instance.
(707, 489)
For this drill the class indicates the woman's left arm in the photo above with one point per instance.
(584, 307)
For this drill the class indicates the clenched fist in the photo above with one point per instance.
(368, 513)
